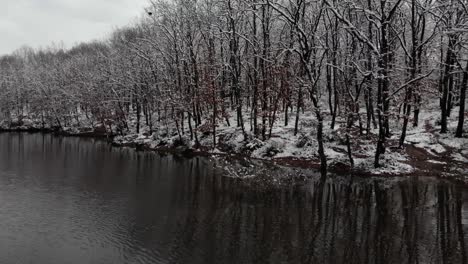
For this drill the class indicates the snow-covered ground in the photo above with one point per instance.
(437, 154)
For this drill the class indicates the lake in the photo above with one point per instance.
(74, 200)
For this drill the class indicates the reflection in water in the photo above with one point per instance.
(68, 200)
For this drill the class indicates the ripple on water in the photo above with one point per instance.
(73, 201)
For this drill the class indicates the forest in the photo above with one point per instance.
(367, 84)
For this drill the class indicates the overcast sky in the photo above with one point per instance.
(38, 23)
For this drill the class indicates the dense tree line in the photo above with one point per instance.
(365, 66)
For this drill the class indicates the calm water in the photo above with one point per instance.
(69, 200)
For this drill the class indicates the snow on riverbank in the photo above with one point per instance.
(440, 151)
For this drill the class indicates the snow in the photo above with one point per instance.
(334, 155)
(436, 162)
(459, 157)
(284, 144)
(435, 148)
(461, 143)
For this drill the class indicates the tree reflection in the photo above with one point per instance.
(160, 209)
(450, 233)
(330, 222)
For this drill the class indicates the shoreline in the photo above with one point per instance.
(419, 157)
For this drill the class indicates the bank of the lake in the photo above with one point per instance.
(425, 153)
(422, 161)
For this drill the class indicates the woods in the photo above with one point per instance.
(318, 71)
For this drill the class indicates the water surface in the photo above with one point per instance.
(70, 200)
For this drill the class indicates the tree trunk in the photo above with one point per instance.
(298, 111)
(461, 113)
(447, 84)
(382, 93)
(413, 71)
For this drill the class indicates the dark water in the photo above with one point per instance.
(69, 200)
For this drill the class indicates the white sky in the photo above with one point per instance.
(38, 23)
